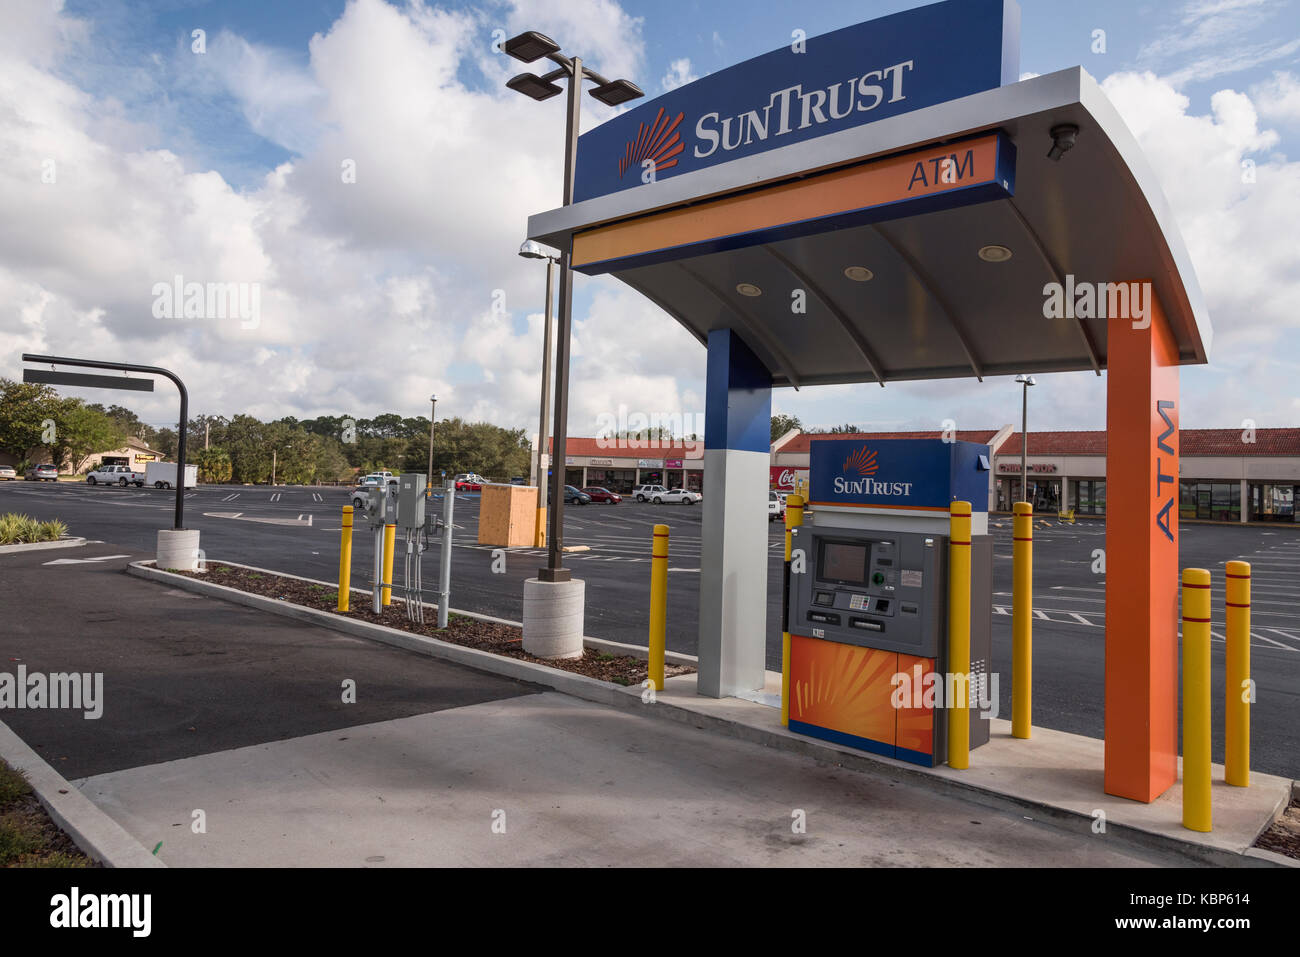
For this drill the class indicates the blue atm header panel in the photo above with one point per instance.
(899, 473)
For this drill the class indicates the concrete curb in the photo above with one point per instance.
(601, 692)
(40, 546)
(80, 818)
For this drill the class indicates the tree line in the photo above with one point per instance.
(34, 420)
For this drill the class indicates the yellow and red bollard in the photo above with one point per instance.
(386, 589)
(1237, 688)
(1022, 620)
(793, 519)
(1196, 700)
(959, 563)
(345, 560)
(658, 604)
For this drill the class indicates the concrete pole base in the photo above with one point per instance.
(553, 618)
(179, 548)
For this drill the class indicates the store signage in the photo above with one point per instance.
(1033, 467)
(812, 87)
(649, 463)
(783, 478)
(602, 462)
(672, 463)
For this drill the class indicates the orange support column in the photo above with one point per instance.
(1141, 552)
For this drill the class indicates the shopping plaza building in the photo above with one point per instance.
(1227, 475)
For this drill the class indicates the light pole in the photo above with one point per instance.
(433, 413)
(1025, 381)
(528, 47)
(531, 250)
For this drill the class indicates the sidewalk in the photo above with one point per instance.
(214, 707)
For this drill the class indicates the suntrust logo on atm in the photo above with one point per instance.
(863, 462)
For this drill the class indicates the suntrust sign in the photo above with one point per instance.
(898, 473)
(807, 89)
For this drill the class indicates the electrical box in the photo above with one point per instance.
(381, 505)
(410, 500)
(868, 606)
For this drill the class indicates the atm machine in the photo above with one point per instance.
(868, 606)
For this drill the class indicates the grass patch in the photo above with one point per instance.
(28, 838)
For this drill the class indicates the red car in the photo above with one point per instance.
(469, 482)
(603, 495)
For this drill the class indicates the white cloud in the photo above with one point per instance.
(679, 74)
(373, 293)
(1279, 98)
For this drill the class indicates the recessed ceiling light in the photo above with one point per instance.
(995, 254)
(859, 273)
(748, 289)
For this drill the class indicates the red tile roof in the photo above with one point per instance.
(1191, 442)
(800, 443)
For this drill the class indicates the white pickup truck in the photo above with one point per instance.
(115, 475)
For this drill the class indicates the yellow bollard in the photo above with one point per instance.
(1022, 620)
(1237, 696)
(386, 587)
(345, 560)
(658, 604)
(793, 519)
(959, 635)
(539, 529)
(1196, 699)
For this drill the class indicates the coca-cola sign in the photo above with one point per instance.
(783, 478)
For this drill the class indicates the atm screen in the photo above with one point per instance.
(844, 563)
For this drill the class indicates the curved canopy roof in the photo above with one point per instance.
(933, 308)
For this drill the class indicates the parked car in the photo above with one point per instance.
(470, 482)
(646, 493)
(378, 478)
(603, 495)
(42, 473)
(678, 496)
(775, 506)
(519, 480)
(122, 475)
(572, 496)
(8, 473)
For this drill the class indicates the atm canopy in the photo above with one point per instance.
(767, 244)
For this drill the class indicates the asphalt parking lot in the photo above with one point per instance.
(296, 529)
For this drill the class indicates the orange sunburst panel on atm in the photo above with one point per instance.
(843, 688)
(915, 721)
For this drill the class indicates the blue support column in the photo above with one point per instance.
(733, 561)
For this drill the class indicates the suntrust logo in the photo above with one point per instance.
(863, 462)
(658, 146)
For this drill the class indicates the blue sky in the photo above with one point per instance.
(225, 165)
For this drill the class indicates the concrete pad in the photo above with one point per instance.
(1053, 772)
(574, 783)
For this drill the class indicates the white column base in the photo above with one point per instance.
(179, 549)
(553, 617)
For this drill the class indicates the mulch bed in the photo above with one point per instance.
(1284, 836)
(28, 838)
(490, 636)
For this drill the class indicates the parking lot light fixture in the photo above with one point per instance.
(530, 46)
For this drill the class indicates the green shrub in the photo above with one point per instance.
(13, 785)
(18, 529)
(18, 836)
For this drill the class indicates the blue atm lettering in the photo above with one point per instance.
(943, 169)
(1162, 517)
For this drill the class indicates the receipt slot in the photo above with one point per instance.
(868, 610)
